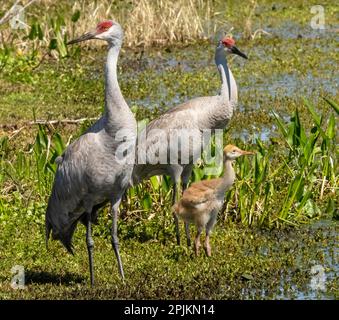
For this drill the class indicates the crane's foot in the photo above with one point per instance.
(115, 245)
(90, 258)
(114, 235)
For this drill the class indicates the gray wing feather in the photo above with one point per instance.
(193, 114)
(64, 206)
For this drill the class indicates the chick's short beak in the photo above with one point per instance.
(243, 152)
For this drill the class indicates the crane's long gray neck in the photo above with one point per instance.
(114, 100)
(221, 61)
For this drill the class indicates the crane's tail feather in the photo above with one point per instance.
(60, 229)
(66, 237)
(69, 247)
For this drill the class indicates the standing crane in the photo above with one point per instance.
(202, 201)
(213, 112)
(90, 172)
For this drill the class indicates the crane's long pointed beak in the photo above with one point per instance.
(235, 50)
(84, 37)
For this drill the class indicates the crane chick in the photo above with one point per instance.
(201, 202)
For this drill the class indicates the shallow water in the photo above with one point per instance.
(262, 80)
(321, 271)
(322, 268)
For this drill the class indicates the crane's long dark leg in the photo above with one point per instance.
(90, 245)
(114, 233)
(188, 236)
(185, 177)
(176, 221)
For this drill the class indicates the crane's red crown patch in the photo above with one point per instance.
(228, 42)
(104, 26)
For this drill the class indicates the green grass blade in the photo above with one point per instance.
(333, 104)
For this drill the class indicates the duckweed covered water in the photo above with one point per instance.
(247, 263)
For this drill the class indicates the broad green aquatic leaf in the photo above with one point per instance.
(165, 184)
(147, 202)
(58, 143)
(291, 195)
(316, 117)
(309, 149)
(197, 174)
(132, 192)
(305, 198)
(280, 124)
(291, 136)
(261, 147)
(299, 132)
(330, 131)
(311, 209)
(331, 208)
(300, 189)
(155, 182)
(41, 140)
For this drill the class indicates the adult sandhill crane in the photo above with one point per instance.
(202, 113)
(91, 171)
(202, 201)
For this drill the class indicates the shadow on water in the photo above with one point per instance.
(44, 277)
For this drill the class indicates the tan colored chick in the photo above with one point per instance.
(201, 202)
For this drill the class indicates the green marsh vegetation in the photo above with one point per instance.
(279, 220)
